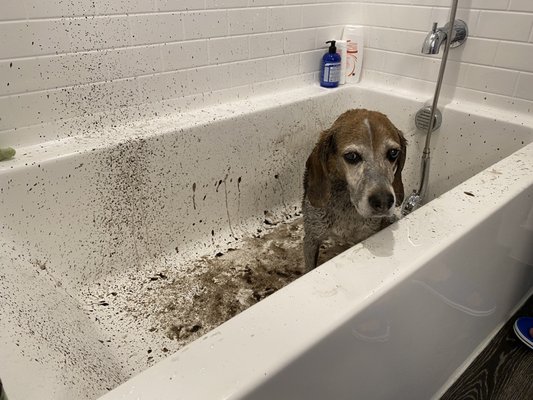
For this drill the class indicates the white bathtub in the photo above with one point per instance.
(402, 313)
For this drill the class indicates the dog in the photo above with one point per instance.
(352, 180)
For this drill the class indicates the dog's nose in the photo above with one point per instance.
(381, 201)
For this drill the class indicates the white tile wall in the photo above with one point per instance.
(61, 58)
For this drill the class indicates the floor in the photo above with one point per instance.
(503, 370)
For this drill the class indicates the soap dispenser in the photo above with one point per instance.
(330, 70)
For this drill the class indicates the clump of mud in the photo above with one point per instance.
(223, 286)
(214, 289)
(168, 308)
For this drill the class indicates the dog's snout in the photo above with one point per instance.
(381, 201)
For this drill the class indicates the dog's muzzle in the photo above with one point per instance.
(381, 202)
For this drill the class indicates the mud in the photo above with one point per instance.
(165, 310)
(214, 289)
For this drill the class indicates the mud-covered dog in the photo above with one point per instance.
(352, 180)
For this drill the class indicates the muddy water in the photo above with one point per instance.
(149, 315)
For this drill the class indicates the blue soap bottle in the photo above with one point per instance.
(330, 71)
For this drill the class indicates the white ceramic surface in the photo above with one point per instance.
(63, 59)
(399, 313)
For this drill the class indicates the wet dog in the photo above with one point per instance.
(352, 180)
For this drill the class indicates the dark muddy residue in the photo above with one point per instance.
(216, 288)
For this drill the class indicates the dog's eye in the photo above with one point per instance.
(352, 157)
(393, 154)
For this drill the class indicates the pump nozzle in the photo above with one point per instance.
(332, 49)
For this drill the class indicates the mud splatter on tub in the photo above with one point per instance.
(165, 309)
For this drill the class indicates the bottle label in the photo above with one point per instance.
(332, 72)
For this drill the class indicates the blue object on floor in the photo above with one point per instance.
(522, 327)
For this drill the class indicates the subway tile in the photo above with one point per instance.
(490, 79)
(31, 108)
(225, 3)
(413, 18)
(179, 5)
(59, 8)
(521, 5)
(394, 39)
(252, 20)
(301, 40)
(98, 32)
(504, 25)
(349, 13)
(109, 7)
(205, 24)
(403, 64)
(327, 33)
(32, 38)
(454, 72)
(374, 59)
(134, 61)
(262, 3)
(310, 61)
(489, 4)
(17, 40)
(408, 2)
(515, 56)
(247, 72)
(159, 87)
(376, 15)
(524, 88)
(442, 15)
(266, 44)
(284, 18)
(182, 55)
(223, 50)
(30, 74)
(476, 51)
(300, 1)
(326, 14)
(210, 78)
(156, 28)
(13, 10)
(318, 15)
(282, 66)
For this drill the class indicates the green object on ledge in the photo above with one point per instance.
(6, 153)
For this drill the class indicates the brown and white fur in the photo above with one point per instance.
(352, 180)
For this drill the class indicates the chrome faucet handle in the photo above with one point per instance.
(438, 36)
(433, 40)
(459, 32)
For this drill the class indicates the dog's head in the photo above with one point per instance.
(367, 152)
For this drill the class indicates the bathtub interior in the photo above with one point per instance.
(113, 215)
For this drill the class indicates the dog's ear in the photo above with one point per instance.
(317, 183)
(397, 183)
